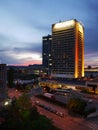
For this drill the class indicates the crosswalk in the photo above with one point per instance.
(92, 123)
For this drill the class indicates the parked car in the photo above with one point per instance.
(60, 114)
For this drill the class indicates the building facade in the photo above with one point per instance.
(46, 52)
(68, 49)
(3, 74)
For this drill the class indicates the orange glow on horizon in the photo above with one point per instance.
(27, 63)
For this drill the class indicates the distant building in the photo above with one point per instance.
(3, 75)
(68, 49)
(46, 52)
(36, 69)
(91, 73)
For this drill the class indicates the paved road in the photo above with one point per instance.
(14, 93)
(92, 123)
(65, 123)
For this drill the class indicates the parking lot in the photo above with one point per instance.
(48, 108)
(65, 122)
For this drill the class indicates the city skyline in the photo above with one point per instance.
(24, 22)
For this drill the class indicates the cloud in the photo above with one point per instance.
(23, 23)
(29, 47)
(4, 40)
(91, 59)
(21, 55)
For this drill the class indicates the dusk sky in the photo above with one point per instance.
(23, 23)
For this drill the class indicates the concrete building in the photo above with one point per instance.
(2, 81)
(46, 52)
(91, 73)
(68, 49)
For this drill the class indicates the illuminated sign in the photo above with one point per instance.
(64, 24)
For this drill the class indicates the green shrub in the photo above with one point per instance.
(77, 106)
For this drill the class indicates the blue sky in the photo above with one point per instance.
(23, 23)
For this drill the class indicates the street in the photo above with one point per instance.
(65, 123)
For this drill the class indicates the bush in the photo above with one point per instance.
(76, 106)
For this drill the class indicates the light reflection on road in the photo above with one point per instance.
(14, 93)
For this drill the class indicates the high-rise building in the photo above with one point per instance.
(68, 49)
(2, 81)
(46, 52)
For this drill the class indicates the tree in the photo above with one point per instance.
(89, 67)
(47, 89)
(24, 102)
(43, 123)
(94, 88)
(91, 76)
(21, 115)
(34, 114)
(77, 105)
(10, 77)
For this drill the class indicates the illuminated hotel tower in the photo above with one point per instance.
(68, 49)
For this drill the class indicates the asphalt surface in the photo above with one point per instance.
(65, 123)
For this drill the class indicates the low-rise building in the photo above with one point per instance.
(3, 77)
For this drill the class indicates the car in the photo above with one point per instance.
(53, 110)
(90, 100)
(37, 102)
(60, 114)
(47, 108)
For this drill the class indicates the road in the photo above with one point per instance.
(14, 93)
(65, 123)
